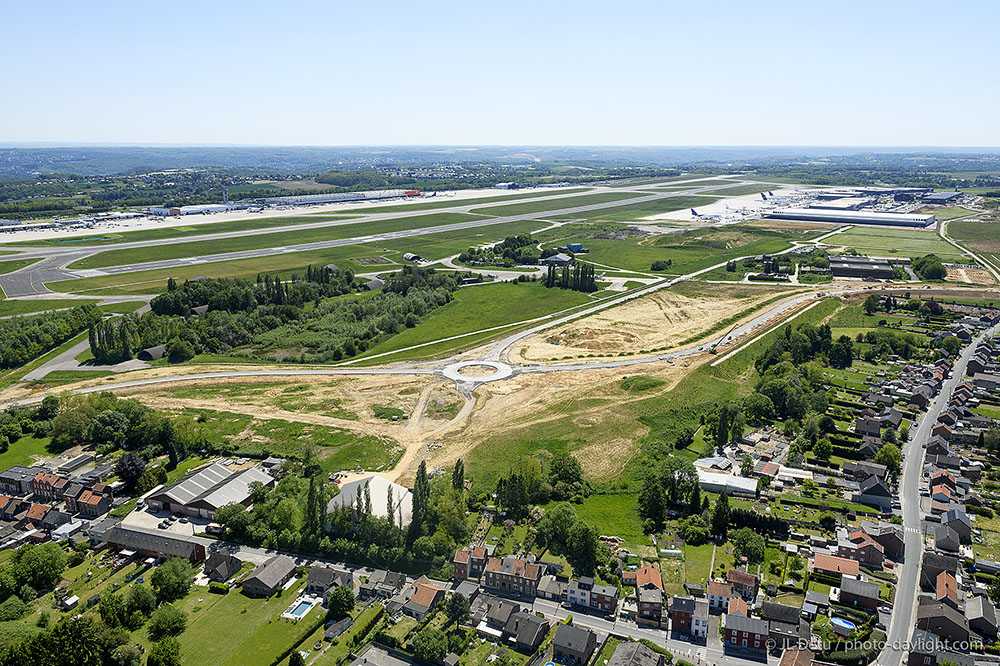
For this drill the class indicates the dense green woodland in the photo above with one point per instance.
(308, 318)
(23, 339)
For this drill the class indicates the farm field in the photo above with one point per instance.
(235, 244)
(554, 204)
(907, 242)
(114, 237)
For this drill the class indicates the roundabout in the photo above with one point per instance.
(477, 372)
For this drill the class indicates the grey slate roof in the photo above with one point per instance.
(271, 573)
(213, 486)
(740, 622)
(859, 588)
(634, 653)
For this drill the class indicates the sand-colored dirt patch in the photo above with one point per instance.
(476, 370)
(661, 320)
(971, 275)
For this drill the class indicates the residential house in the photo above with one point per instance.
(981, 616)
(681, 614)
(744, 584)
(737, 605)
(689, 617)
(649, 596)
(946, 539)
(222, 566)
(512, 575)
(785, 627)
(92, 504)
(943, 621)
(382, 584)
(861, 547)
(831, 565)
(633, 653)
(947, 590)
(874, 493)
(574, 644)
(934, 563)
(719, 594)
(744, 633)
(854, 592)
(425, 596)
(959, 521)
(470, 562)
(525, 631)
(43, 485)
(860, 470)
(268, 577)
(549, 587)
(321, 580)
(867, 426)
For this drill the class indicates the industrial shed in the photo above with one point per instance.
(203, 492)
(851, 217)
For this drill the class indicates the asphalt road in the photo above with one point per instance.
(904, 607)
(31, 279)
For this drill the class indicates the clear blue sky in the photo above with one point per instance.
(551, 73)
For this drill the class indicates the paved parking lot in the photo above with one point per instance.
(150, 520)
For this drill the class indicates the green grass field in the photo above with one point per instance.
(339, 449)
(688, 251)
(479, 307)
(739, 190)
(632, 212)
(235, 244)
(430, 246)
(906, 242)
(206, 227)
(947, 212)
(24, 451)
(983, 236)
(448, 202)
(12, 308)
(12, 265)
(554, 204)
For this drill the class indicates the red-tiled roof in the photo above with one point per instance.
(840, 565)
(737, 605)
(646, 575)
(461, 556)
(479, 552)
(38, 511)
(947, 586)
(741, 578)
(425, 595)
(719, 589)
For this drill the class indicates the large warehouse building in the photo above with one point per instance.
(845, 265)
(203, 492)
(312, 199)
(851, 217)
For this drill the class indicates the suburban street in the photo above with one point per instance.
(904, 607)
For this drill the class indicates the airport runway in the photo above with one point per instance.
(52, 267)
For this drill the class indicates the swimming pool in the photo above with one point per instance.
(301, 607)
(846, 624)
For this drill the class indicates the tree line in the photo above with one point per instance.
(576, 277)
(23, 339)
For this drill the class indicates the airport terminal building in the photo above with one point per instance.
(851, 217)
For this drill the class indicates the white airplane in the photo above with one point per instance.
(705, 217)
